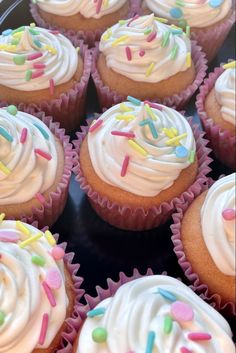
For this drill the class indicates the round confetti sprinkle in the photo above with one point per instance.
(99, 335)
(11, 109)
(176, 12)
(181, 152)
(53, 278)
(2, 317)
(19, 59)
(57, 253)
(229, 214)
(215, 3)
(182, 312)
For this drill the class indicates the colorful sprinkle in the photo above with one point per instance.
(142, 53)
(150, 342)
(182, 23)
(40, 198)
(154, 105)
(229, 214)
(24, 134)
(150, 112)
(96, 125)
(38, 260)
(39, 66)
(165, 39)
(99, 335)
(30, 240)
(34, 56)
(125, 108)
(137, 148)
(176, 139)
(50, 49)
(11, 109)
(188, 60)
(28, 75)
(199, 336)
(44, 328)
(176, 12)
(9, 236)
(19, 59)
(119, 40)
(130, 135)
(19, 29)
(182, 312)
(133, 100)
(125, 166)
(192, 156)
(57, 253)
(2, 216)
(150, 69)
(53, 278)
(37, 43)
(181, 152)
(42, 154)
(20, 226)
(215, 3)
(50, 238)
(174, 51)
(151, 36)
(7, 32)
(5, 134)
(49, 294)
(180, 3)
(2, 317)
(96, 312)
(230, 65)
(43, 132)
(128, 53)
(161, 19)
(188, 31)
(4, 169)
(167, 295)
(147, 31)
(132, 20)
(185, 350)
(168, 324)
(37, 74)
(98, 6)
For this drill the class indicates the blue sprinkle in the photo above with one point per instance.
(181, 152)
(167, 295)
(5, 134)
(176, 31)
(7, 32)
(96, 312)
(153, 130)
(215, 3)
(43, 132)
(144, 122)
(150, 342)
(38, 43)
(133, 100)
(176, 12)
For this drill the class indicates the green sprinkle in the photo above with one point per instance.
(19, 29)
(15, 41)
(174, 51)
(99, 335)
(188, 31)
(2, 317)
(28, 75)
(191, 156)
(180, 3)
(38, 43)
(147, 31)
(165, 39)
(11, 109)
(168, 324)
(96, 312)
(19, 59)
(5, 134)
(43, 132)
(38, 260)
(150, 342)
(34, 32)
(122, 22)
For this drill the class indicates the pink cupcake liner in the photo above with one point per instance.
(222, 142)
(215, 300)
(48, 212)
(70, 107)
(126, 217)
(108, 97)
(89, 37)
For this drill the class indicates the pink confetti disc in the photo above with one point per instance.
(182, 312)
(53, 278)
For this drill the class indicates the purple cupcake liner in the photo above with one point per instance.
(222, 142)
(126, 217)
(48, 212)
(108, 97)
(89, 37)
(215, 300)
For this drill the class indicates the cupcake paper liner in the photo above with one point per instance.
(69, 108)
(89, 37)
(126, 217)
(48, 212)
(215, 300)
(108, 97)
(222, 141)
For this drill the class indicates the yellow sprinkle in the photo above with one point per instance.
(188, 59)
(119, 40)
(50, 49)
(32, 24)
(4, 169)
(30, 240)
(7, 47)
(150, 112)
(125, 108)
(18, 34)
(161, 19)
(78, 49)
(22, 228)
(107, 34)
(169, 133)
(127, 117)
(175, 27)
(50, 238)
(176, 139)
(2, 216)
(137, 148)
(150, 69)
(188, 31)
(230, 65)
(175, 131)
(106, 3)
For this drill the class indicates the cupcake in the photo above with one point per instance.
(39, 291)
(205, 244)
(147, 59)
(36, 159)
(88, 19)
(44, 71)
(216, 109)
(210, 20)
(137, 160)
(152, 314)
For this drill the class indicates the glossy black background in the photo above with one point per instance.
(102, 250)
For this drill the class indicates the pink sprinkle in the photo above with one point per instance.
(57, 253)
(43, 154)
(124, 166)
(185, 350)
(154, 105)
(55, 32)
(49, 294)
(40, 198)
(151, 36)
(132, 20)
(99, 5)
(53, 278)
(39, 66)
(229, 214)
(128, 53)
(130, 135)
(51, 86)
(34, 56)
(37, 74)
(9, 237)
(96, 125)
(44, 328)
(23, 136)
(182, 312)
(142, 52)
(199, 336)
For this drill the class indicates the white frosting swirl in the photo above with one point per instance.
(157, 52)
(22, 298)
(87, 8)
(226, 95)
(197, 13)
(29, 173)
(137, 308)
(146, 175)
(59, 59)
(218, 233)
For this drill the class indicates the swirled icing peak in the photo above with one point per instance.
(195, 13)
(33, 297)
(219, 233)
(33, 58)
(145, 49)
(141, 147)
(226, 94)
(154, 314)
(87, 8)
(28, 157)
